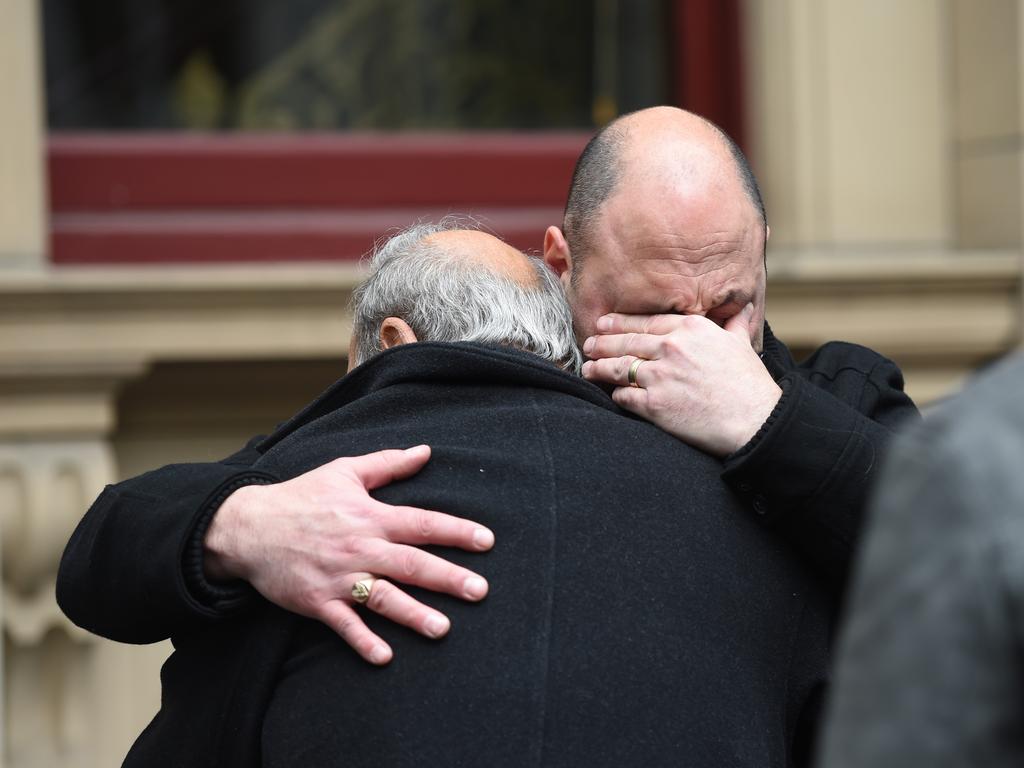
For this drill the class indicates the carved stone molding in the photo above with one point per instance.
(939, 314)
(44, 488)
(96, 315)
(69, 341)
(929, 310)
(55, 458)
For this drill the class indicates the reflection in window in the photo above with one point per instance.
(351, 64)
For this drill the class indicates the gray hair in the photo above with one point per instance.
(444, 297)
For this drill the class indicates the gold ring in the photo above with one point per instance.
(632, 372)
(361, 589)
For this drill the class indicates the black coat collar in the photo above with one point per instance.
(424, 362)
(775, 355)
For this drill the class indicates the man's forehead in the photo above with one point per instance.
(676, 256)
(678, 175)
(676, 227)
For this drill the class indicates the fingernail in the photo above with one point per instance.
(749, 309)
(604, 323)
(475, 587)
(585, 370)
(588, 345)
(380, 655)
(436, 626)
(483, 538)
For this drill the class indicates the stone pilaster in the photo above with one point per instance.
(22, 180)
(849, 128)
(55, 457)
(69, 341)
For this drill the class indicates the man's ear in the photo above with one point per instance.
(556, 254)
(394, 332)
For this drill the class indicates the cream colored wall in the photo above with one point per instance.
(849, 120)
(1020, 169)
(986, 130)
(887, 137)
(22, 183)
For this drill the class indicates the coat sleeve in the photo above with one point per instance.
(809, 469)
(132, 570)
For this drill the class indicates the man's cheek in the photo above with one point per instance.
(584, 317)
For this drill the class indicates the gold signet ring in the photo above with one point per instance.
(632, 372)
(362, 588)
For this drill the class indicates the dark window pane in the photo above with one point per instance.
(350, 64)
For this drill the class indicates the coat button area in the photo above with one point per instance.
(760, 504)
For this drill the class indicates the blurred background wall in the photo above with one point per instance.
(186, 187)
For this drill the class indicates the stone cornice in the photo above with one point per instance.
(936, 309)
(908, 306)
(85, 316)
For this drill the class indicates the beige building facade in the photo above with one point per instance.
(888, 140)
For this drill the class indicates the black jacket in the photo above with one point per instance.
(637, 614)
(808, 470)
(132, 570)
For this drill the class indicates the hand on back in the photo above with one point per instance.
(303, 544)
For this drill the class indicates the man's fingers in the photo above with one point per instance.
(615, 370)
(383, 467)
(739, 324)
(411, 525)
(619, 344)
(394, 604)
(653, 324)
(632, 399)
(410, 565)
(342, 618)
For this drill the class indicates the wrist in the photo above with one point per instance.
(223, 559)
(758, 417)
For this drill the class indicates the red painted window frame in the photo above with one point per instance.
(186, 198)
(158, 198)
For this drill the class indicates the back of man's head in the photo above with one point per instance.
(451, 282)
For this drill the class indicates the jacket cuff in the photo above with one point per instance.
(778, 413)
(793, 456)
(218, 598)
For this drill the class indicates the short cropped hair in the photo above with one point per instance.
(597, 173)
(445, 297)
(594, 179)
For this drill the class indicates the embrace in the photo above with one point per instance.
(658, 503)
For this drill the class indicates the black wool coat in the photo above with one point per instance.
(638, 614)
(132, 570)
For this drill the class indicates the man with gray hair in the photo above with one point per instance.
(465, 344)
(422, 276)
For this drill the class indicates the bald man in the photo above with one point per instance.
(638, 617)
(662, 255)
